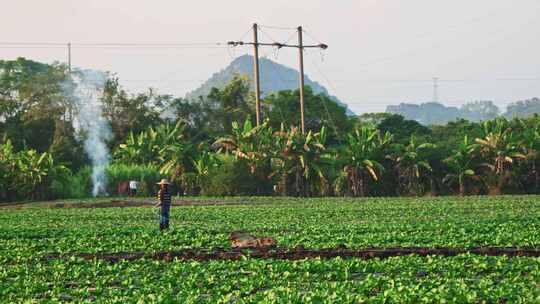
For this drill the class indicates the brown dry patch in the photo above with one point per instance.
(298, 253)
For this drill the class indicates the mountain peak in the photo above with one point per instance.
(274, 77)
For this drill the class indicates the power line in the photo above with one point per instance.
(165, 80)
(150, 44)
(32, 47)
(113, 44)
(32, 43)
(518, 79)
(324, 102)
(312, 37)
(268, 36)
(278, 27)
(276, 52)
(148, 47)
(245, 34)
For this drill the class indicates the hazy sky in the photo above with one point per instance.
(381, 51)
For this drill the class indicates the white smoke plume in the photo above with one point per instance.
(86, 91)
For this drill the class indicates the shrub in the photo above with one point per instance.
(232, 177)
(147, 175)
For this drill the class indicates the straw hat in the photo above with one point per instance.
(164, 182)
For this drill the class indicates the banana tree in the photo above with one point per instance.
(28, 174)
(8, 169)
(461, 165)
(151, 146)
(530, 148)
(177, 159)
(499, 146)
(360, 158)
(298, 162)
(165, 146)
(138, 149)
(251, 145)
(192, 181)
(411, 165)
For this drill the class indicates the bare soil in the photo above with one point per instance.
(297, 253)
(122, 203)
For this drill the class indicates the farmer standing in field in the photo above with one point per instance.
(164, 202)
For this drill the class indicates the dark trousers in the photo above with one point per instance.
(164, 219)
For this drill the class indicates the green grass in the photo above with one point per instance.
(28, 234)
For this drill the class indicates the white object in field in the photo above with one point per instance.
(133, 184)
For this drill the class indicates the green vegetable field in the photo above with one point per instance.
(39, 246)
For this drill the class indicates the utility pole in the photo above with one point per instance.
(300, 47)
(301, 59)
(256, 74)
(69, 56)
(70, 107)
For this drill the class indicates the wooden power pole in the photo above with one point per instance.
(301, 59)
(300, 47)
(256, 74)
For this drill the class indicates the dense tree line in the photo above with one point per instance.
(211, 146)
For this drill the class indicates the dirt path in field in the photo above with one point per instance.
(298, 253)
(123, 203)
(143, 203)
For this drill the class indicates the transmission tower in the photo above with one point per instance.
(435, 89)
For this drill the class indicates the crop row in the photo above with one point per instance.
(410, 279)
(27, 235)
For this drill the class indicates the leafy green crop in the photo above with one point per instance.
(27, 235)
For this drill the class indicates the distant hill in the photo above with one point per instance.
(426, 113)
(523, 108)
(274, 77)
(432, 113)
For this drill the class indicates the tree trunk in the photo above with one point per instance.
(413, 183)
(494, 190)
(361, 184)
(284, 184)
(432, 185)
(353, 180)
(500, 183)
(536, 178)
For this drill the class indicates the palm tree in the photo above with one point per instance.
(461, 164)
(360, 158)
(411, 165)
(500, 148)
